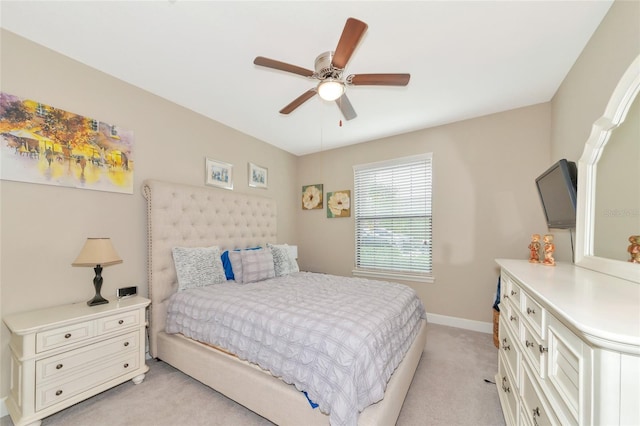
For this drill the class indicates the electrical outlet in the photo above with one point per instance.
(127, 291)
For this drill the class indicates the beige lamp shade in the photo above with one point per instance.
(97, 251)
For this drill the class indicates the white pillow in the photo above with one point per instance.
(198, 266)
(235, 257)
(284, 259)
(257, 265)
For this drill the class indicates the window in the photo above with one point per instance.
(393, 218)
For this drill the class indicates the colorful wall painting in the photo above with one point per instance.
(46, 145)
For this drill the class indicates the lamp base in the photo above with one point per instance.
(97, 300)
(97, 284)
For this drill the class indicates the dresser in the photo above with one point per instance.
(569, 350)
(65, 354)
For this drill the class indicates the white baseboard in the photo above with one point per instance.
(483, 327)
(3, 408)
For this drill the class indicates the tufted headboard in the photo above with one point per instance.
(180, 215)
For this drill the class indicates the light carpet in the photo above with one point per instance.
(449, 388)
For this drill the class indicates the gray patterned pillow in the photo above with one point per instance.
(257, 265)
(198, 266)
(284, 261)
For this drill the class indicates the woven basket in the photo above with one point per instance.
(496, 324)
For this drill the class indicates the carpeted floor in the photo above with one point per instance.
(449, 389)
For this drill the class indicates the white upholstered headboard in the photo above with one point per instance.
(180, 215)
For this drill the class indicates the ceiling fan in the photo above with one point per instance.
(329, 68)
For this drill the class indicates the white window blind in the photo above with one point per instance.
(393, 215)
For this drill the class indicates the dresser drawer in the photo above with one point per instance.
(534, 314)
(62, 336)
(536, 408)
(507, 391)
(67, 387)
(69, 363)
(508, 347)
(534, 350)
(511, 318)
(511, 290)
(119, 321)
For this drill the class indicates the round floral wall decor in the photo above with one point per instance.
(339, 204)
(312, 197)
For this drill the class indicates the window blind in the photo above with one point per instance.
(393, 215)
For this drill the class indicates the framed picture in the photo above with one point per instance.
(312, 197)
(218, 174)
(257, 176)
(339, 204)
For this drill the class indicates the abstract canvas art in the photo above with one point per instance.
(46, 145)
(339, 204)
(312, 197)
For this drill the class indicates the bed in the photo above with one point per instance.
(187, 216)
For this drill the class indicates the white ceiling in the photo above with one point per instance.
(466, 59)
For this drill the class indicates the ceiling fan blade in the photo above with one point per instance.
(298, 101)
(346, 108)
(351, 35)
(379, 79)
(282, 66)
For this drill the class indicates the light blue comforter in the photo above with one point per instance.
(337, 338)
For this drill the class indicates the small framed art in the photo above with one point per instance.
(218, 174)
(312, 197)
(258, 176)
(339, 204)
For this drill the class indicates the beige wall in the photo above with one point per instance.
(485, 203)
(44, 227)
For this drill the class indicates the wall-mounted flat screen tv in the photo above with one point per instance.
(557, 188)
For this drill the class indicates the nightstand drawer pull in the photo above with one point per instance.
(68, 335)
(58, 367)
(58, 392)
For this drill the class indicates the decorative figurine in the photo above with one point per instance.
(549, 248)
(534, 249)
(634, 248)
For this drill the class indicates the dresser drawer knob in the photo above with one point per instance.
(536, 412)
(512, 318)
(121, 322)
(58, 367)
(513, 293)
(66, 336)
(531, 311)
(529, 344)
(126, 344)
(126, 365)
(505, 388)
(543, 349)
(58, 392)
(505, 346)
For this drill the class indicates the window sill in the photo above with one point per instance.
(391, 275)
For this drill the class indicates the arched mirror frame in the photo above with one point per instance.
(614, 115)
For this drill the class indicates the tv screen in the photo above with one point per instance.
(557, 189)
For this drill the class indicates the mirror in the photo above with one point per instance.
(609, 184)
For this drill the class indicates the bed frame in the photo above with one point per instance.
(190, 216)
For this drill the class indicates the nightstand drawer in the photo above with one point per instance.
(120, 321)
(62, 336)
(54, 393)
(70, 362)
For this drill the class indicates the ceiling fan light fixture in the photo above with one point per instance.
(330, 89)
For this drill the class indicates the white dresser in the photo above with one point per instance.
(569, 346)
(65, 354)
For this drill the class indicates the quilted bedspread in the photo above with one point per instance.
(337, 338)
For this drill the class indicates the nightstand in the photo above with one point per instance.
(65, 354)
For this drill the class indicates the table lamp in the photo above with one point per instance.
(97, 252)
